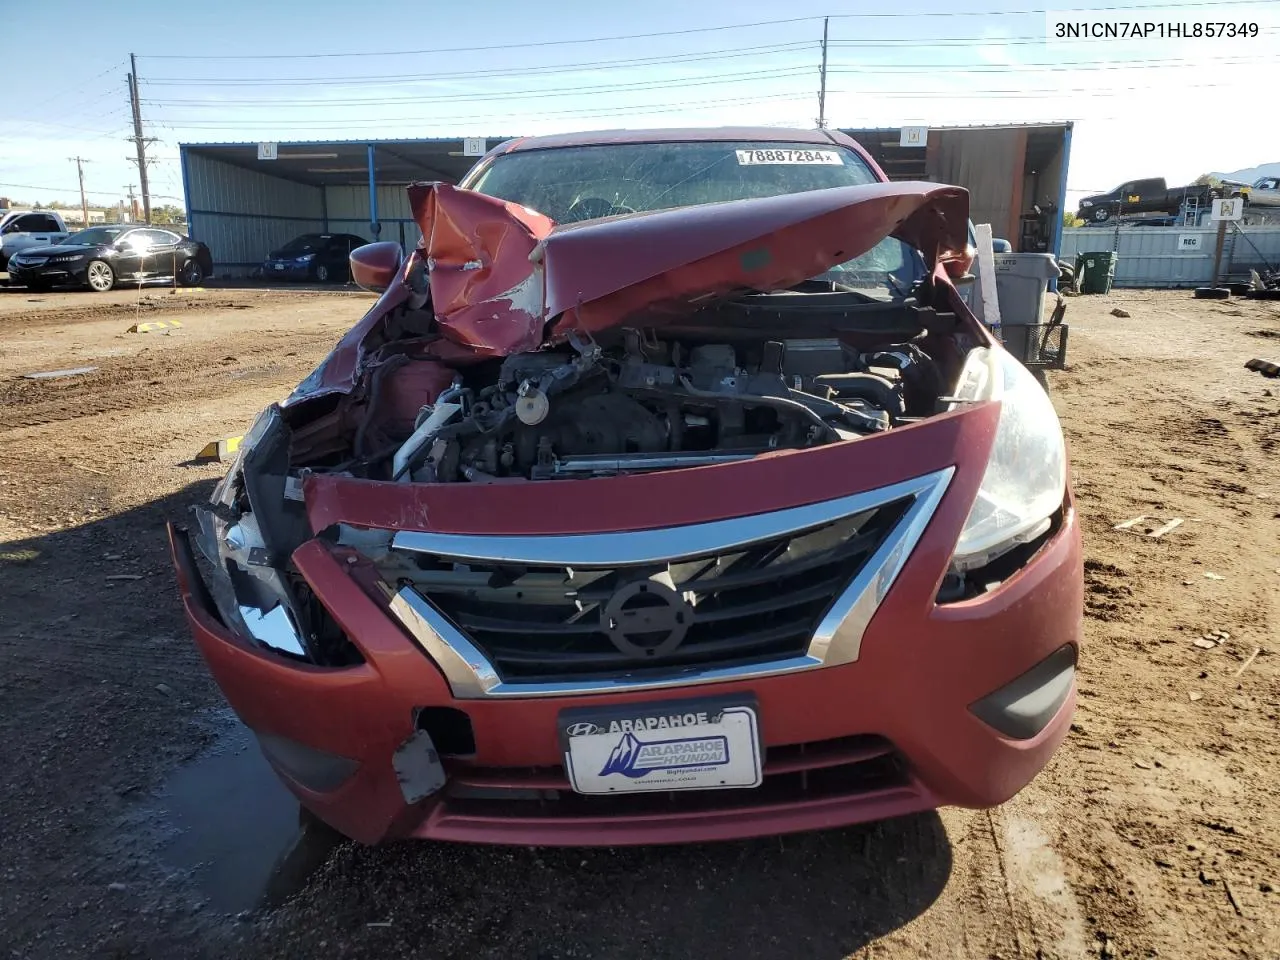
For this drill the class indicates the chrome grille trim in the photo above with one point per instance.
(837, 640)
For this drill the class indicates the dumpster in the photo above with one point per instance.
(1021, 281)
(1095, 272)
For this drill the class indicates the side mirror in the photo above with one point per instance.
(375, 265)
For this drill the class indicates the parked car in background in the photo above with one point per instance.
(668, 493)
(319, 257)
(22, 230)
(101, 257)
(1147, 196)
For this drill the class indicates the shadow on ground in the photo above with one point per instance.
(821, 895)
(168, 820)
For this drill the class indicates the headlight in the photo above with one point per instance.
(305, 258)
(1026, 476)
(250, 594)
(1086, 203)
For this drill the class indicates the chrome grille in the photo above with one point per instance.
(751, 603)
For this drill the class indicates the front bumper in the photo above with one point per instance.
(891, 733)
(285, 270)
(47, 274)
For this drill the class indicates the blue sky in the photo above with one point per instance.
(1143, 107)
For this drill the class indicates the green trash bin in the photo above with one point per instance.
(1095, 272)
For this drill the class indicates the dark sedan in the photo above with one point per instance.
(102, 257)
(320, 257)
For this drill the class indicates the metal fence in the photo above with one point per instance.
(1175, 256)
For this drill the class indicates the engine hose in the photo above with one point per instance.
(778, 403)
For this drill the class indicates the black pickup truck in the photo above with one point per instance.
(1146, 196)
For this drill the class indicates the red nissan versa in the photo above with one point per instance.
(668, 493)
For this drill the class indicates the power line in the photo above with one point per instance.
(73, 89)
(92, 193)
(521, 72)
(1044, 67)
(546, 115)
(634, 110)
(329, 79)
(687, 31)
(514, 94)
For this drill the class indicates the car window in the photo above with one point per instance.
(159, 238)
(307, 243)
(572, 184)
(96, 235)
(38, 223)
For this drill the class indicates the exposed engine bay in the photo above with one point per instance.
(654, 403)
(536, 366)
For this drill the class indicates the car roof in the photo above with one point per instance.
(676, 135)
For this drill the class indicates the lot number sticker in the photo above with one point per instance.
(829, 158)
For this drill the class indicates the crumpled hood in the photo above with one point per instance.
(505, 279)
(499, 272)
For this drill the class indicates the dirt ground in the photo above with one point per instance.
(1155, 831)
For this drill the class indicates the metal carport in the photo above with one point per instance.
(245, 199)
(1007, 169)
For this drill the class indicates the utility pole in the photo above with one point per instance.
(822, 89)
(133, 201)
(84, 204)
(140, 142)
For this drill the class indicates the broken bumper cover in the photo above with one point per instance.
(943, 704)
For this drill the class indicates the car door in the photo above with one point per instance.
(162, 253)
(349, 242)
(332, 256)
(131, 250)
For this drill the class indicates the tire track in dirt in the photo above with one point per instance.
(155, 378)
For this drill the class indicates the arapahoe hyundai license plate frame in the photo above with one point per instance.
(701, 744)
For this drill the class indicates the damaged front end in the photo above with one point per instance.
(506, 350)
(565, 466)
(246, 535)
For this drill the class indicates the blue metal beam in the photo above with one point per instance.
(374, 226)
(186, 190)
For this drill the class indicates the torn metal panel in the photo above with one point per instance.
(417, 766)
(485, 289)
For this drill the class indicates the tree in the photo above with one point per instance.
(1069, 219)
(168, 214)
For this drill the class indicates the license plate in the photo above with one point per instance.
(678, 745)
(277, 266)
